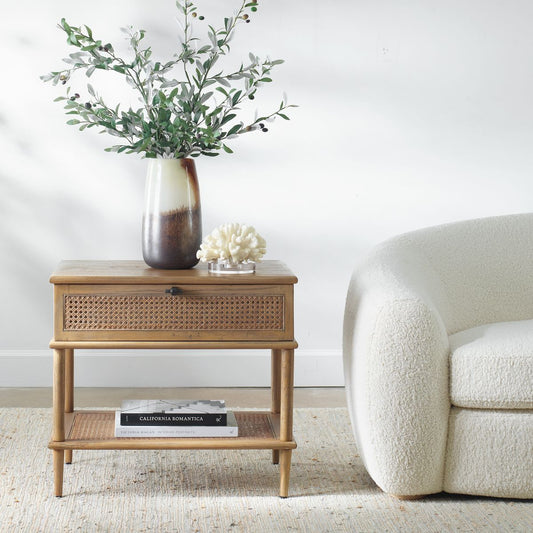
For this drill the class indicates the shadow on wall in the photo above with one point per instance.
(43, 217)
(33, 231)
(60, 197)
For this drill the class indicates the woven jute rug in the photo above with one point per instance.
(222, 491)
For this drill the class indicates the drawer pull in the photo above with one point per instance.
(173, 291)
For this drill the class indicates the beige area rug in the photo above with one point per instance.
(225, 491)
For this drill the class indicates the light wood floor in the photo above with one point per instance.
(112, 397)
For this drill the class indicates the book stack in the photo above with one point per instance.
(175, 418)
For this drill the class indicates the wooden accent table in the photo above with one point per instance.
(126, 304)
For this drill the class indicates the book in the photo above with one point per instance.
(173, 413)
(229, 430)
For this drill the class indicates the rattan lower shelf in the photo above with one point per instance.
(94, 430)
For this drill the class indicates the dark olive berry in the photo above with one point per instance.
(261, 125)
(72, 98)
(76, 95)
(264, 130)
(201, 17)
(88, 105)
(247, 21)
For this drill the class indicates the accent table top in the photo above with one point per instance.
(137, 272)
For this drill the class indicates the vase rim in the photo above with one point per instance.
(169, 158)
(185, 162)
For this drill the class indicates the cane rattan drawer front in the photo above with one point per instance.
(184, 312)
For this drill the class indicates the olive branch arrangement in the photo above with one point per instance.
(179, 118)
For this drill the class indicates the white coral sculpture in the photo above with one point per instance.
(232, 243)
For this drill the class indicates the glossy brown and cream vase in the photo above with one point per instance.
(172, 222)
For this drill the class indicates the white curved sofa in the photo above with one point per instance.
(438, 359)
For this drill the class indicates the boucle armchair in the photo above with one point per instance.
(438, 359)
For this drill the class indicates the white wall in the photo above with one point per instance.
(412, 113)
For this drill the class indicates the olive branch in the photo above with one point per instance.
(189, 107)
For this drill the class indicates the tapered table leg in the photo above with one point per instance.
(286, 405)
(59, 418)
(69, 391)
(276, 392)
(58, 472)
(285, 470)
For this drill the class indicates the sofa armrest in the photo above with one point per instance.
(396, 373)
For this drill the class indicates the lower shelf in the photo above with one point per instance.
(95, 430)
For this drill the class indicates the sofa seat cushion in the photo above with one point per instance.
(491, 366)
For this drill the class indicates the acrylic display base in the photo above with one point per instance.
(228, 268)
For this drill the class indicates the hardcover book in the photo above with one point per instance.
(229, 430)
(173, 413)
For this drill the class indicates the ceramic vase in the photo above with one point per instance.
(172, 221)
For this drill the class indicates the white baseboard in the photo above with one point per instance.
(168, 368)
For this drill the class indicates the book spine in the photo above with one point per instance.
(167, 419)
(176, 432)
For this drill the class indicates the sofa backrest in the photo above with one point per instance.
(484, 268)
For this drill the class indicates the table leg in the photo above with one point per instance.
(276, 392)
(284, 470)
(59, 418)
(69, 391)
(286, 405)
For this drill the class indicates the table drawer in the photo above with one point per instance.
(182, 312)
